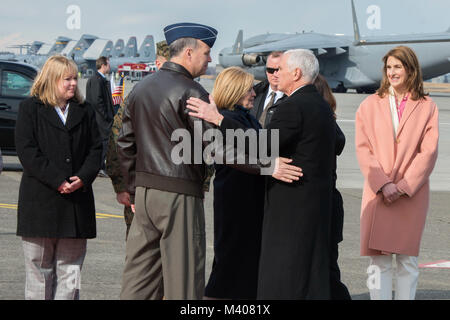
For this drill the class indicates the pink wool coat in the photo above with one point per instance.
(407, 161)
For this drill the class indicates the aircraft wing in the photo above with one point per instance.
(266, 38)
(44, 49)
(69, 47)
(97, 48)
(406, 39)
(319, 43)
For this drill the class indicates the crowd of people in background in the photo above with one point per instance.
(276, 235)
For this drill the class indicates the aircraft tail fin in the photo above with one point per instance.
(147, 49)
(392, 40)
(118, 48)
(100, 47)
(131, 48)
(108, 49)
(356, 33)
(35, 46)
(238, 44)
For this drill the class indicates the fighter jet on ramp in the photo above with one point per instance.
(146, 54)
(346, 62)
(100, 47)
(76, 49)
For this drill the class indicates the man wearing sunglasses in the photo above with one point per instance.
(267, 93)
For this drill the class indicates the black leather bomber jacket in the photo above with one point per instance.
(156, 107)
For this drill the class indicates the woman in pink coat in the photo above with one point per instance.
(396, 145)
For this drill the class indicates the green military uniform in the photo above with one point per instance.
(113, 165)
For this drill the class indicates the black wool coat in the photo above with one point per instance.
(238, 216)
(337, 218)
(295, 247)
(98, 94)
(51, 152)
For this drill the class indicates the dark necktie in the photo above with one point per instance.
(262, 119)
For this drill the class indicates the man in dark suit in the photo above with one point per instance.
(98, 94)
(267, 93)
(294, 262)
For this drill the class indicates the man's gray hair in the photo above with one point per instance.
(176, 47)
(306, 61)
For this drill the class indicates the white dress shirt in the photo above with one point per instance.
(63, 116)
(278, 95)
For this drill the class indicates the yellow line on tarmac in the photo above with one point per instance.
(8, 206)
(105, 215)
(98, 214)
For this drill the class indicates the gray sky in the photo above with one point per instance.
(23, 21)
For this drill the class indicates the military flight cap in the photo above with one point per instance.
(190, 30)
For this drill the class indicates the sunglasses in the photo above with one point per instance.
(271, 70)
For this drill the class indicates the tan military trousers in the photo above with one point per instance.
(165, 251)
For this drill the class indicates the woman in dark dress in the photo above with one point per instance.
(238, 201)
(338, 290)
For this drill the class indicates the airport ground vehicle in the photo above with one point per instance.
(136, 71)
(16, 80)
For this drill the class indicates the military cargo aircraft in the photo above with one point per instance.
(346, 62)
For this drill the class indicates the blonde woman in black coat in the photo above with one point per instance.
(58, 144)
(238, 200)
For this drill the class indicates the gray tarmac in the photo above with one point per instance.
(102, 270)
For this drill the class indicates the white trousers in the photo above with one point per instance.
(381, 276)
(53, 268)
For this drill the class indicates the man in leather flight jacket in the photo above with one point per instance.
(167, 234)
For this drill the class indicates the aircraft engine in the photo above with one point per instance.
(250, 59)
